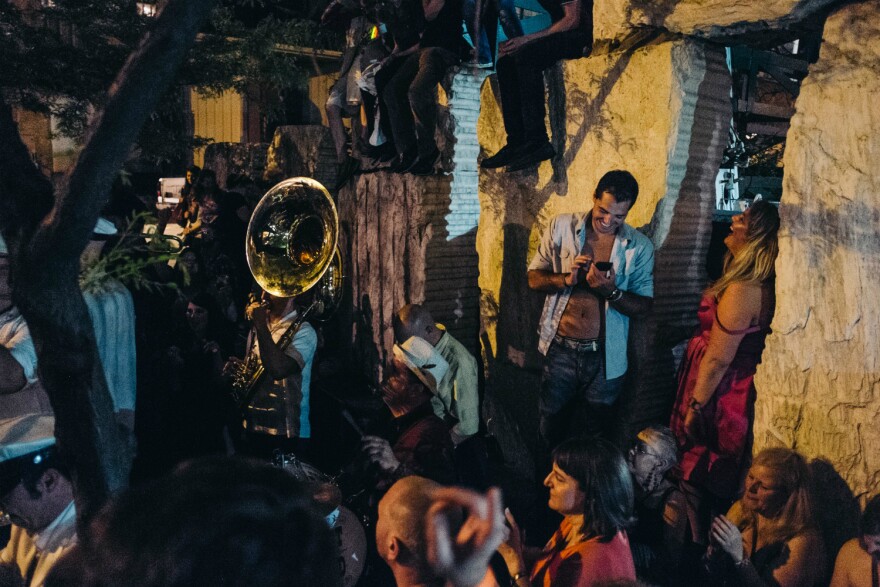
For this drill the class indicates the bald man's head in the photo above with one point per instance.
(400, 530)
(415, 320)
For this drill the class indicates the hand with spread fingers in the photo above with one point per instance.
(462, 555)
(725, 535)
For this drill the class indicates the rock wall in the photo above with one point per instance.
(412, 239)
(718, 19)
(661, 112)
(819, 384)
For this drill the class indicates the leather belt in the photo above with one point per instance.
(578, 344)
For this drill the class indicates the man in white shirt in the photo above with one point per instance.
(277, 415)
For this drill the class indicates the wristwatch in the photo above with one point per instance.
(614, 295)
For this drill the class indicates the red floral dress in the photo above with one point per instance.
(718, 462)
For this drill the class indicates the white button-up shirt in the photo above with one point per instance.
(633, 259)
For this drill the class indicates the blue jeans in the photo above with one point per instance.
(570, 374)
(507, 18)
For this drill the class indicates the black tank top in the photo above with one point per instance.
(445, 30)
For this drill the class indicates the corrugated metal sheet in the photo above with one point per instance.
(679, 273)
(219, 118)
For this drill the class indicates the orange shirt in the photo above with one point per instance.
(587, 563)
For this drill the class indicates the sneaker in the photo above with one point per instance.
(505, 155)
(531, 155)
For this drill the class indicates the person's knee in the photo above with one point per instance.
(421, 95)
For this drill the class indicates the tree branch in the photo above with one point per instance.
(45, 260)
(132, 97)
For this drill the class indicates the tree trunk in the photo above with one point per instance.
(46, 236)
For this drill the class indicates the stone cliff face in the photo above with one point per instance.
(708, 19)
(819, 384)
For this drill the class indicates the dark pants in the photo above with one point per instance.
(506, 17)
(409, 93)
(472, 463)
(571, 374)
(521, 83)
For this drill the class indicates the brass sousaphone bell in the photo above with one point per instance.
(291, 248)
(291, 238)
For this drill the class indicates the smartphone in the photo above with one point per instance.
(603, 266)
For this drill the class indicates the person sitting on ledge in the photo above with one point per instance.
(858, 563)
(521, 65)
(409, 85)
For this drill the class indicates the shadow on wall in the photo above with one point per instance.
(679, 263)
(837, 510)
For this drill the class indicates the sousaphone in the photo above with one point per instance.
(291, 248)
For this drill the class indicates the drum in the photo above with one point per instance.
(350, 536)
(352, 542)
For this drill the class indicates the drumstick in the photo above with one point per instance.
(350, 419)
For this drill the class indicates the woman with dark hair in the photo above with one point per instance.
(769, 537)
(590, 486)
(714, 408)
(858, 563)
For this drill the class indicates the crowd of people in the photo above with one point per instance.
(397, 52)
(221, 393)
(683, 504)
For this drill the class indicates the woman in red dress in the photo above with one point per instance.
(714, 407)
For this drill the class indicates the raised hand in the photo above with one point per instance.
(462, 556)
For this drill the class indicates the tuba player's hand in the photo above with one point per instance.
(233, 365)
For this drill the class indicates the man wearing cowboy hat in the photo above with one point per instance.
(456, 397)
(37, 496)
(420, 443)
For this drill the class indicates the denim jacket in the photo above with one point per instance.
(633, 258)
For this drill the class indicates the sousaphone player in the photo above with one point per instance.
(291, 247)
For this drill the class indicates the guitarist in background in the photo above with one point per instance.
(276, 415)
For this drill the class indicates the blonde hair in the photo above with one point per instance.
(755, 263)
(791, 472)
